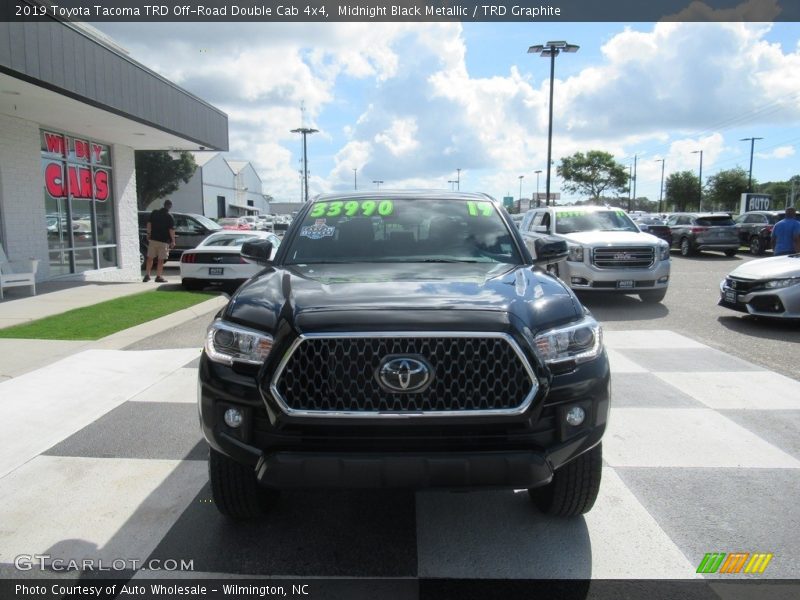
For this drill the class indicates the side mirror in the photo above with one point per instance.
(549, 250)
(258, 252)
(540, 229)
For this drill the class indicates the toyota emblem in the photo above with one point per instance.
(404, 373)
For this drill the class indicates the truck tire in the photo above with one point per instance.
(234, 488)
(574, 488)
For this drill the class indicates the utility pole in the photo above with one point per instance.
(305, 131)
(635, 158)
(661, 191)
(752, 141)
(355, 178)
(458, 179)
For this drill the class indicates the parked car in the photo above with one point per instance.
(654, 226)
(235, 223)
(190, 230)
(607, 252)
(766, 287)
(755, 229)
(217, 260)
(408, 342)
(265, 223)
(694, 232)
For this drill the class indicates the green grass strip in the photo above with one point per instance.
(99, 320)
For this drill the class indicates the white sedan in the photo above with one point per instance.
(217, 260)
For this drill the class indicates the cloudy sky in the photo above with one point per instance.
(411, 103)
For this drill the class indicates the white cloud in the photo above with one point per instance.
(400, 138)
(779, 152)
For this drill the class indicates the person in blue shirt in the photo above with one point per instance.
(786, 234)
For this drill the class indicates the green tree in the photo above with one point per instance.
(595, 173)
(158, 174)
(781, 191)
(725, 189)
(682, 190)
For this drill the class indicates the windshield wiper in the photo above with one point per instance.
(445, 260)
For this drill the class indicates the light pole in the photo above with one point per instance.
(520, 187)
(661, 191)
(551, 50)
(458, 179)
(305, 131)
(452, 183)
(355, 178)
(377, 182)
(752, 141)
(700, 177)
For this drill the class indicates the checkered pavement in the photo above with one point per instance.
(101, 457)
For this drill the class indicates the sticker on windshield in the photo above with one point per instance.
(479, 209)
(352, 208)
(318, 230)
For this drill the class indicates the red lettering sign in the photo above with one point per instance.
(82, 150)
(54, 180)
(101, 185)
(55, 143)
(97, 150)
(80, 182)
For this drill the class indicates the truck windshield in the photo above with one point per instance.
(573, 221)
(402, 230)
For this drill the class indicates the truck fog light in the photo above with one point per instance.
(575, 416)
(664, 279)
(234, 417)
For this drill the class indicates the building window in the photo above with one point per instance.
(79, 203)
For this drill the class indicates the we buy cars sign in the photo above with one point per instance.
(80, 181)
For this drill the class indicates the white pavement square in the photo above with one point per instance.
(760, 390)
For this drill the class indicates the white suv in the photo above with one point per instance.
(607, 251)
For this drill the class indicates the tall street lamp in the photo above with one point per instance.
(752, 141)
(520, 187)
(355, 178)
(305, 131)
(700, 177)
(377, 182)
(661, 191)
(538, 171)
(458, 179)
(452, 183)
(551, 50)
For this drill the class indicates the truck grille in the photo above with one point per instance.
(616, 258)
(337, 375)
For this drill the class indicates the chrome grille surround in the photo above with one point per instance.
(636, 257)
(363, 382)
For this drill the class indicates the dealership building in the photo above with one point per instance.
(73, 109)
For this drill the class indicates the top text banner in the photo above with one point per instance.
(401, 10)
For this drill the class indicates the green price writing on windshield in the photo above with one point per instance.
(352, 208)
(479, 208)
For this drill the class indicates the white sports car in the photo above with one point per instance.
(217, 260)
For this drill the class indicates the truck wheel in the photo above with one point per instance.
(756, 248)
(653, 296)
(235, 490)
(574, 487)
(686, 247)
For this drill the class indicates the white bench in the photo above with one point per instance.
(14, 273)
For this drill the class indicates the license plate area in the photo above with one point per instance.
(216, 271)
(625, 284)
(730, 295)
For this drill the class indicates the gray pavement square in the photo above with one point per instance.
(724, 510)
(645, 390)
(781, 428)
(687, 360)
(146, 430)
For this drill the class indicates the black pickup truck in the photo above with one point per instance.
(404, 340)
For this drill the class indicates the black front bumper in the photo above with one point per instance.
(520, 451)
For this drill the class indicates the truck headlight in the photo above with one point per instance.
(227, 343)
(663, 251)
(581, 342)
(575, 254)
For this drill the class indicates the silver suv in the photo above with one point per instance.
(607, 251)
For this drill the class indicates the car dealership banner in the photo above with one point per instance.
(755, 202)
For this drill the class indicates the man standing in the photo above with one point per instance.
(786, 234)
(160, 238)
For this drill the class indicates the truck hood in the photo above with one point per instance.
(611, 238)
(313, 297)
(775, 267)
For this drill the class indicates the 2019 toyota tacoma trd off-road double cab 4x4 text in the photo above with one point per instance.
(404, 340)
